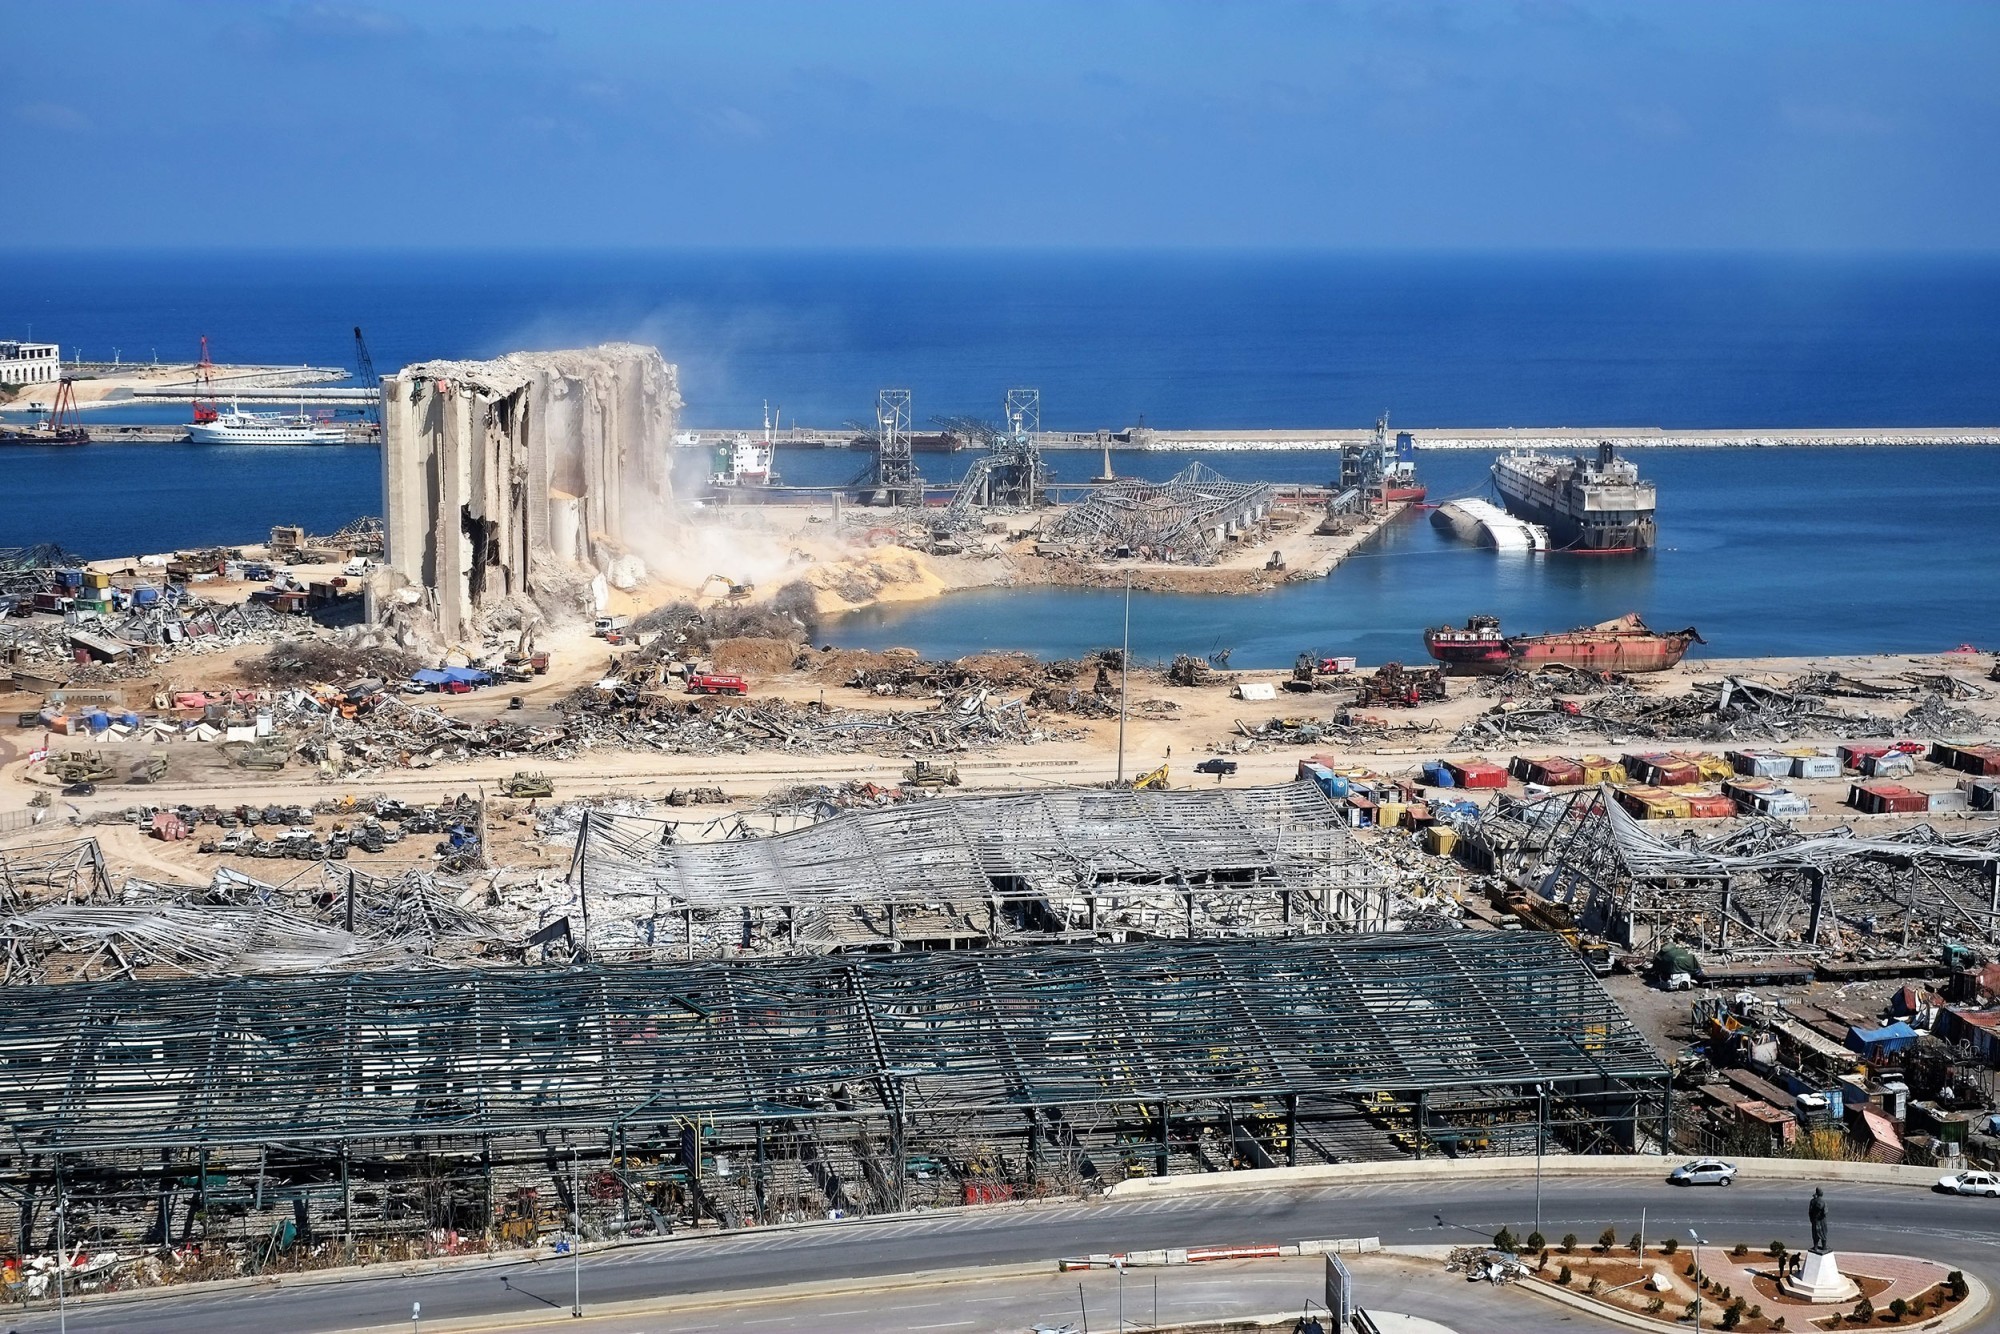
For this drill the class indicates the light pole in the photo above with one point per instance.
(1121, 1297)
(576, 1233)
(1124, 675)
(62, 1260)
(416, 1314)
(1541, 1138)
(1695, 1237)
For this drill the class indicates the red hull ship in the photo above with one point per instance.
(1622, 645)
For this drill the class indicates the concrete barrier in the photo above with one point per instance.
(1570, 1166)
(1276, 1250)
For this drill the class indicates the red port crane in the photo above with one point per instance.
(204, 386)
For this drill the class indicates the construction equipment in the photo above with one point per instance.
(711, 683)
(523, 783)
(1277, 562)
(364, 371)
(1157, 781)
(1394, 685)
(148, 768)
(256, 754)
(732, 591)
(929, 773)
(82, 766)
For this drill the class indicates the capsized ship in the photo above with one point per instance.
(1593, 505)
(1621, 645)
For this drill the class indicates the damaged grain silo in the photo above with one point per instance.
(530, 477)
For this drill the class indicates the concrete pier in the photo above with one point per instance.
(1440, 437)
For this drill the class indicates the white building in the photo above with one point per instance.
(30, 363)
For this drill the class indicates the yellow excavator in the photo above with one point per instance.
(731, 590)
(1156, 780)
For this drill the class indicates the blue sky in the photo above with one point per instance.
(1488, 124)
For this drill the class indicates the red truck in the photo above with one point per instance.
(708, 683)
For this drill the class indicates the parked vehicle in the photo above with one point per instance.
(84, 789)
(710, 683)
(1218, 767)
(1703, 1172)
(1971, 1183)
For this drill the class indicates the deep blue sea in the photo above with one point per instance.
(1766, 551)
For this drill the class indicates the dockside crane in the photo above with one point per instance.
(364, 371)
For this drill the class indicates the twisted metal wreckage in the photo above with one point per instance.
(1186, 518)
(1760, 888)
(366, 1106)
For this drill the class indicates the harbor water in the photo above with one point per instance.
(1766, 551)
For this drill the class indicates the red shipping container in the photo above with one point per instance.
(1851, 753)
(1887, 799)
(1711, 807)
(1477, 773)
(1556, 773)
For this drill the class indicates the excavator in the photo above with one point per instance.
(732, 591)
(1156, 780)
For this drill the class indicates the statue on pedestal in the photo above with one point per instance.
(1816, 1214)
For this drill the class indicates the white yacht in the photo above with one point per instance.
(234, 426)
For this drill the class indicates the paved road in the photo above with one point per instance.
(1961, 1232)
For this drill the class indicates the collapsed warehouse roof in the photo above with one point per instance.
(1186, 518)
(1760, 887)
(974, 869)
(469, 1053)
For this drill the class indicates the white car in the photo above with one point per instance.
(1703, 1172)
(1971, 1183)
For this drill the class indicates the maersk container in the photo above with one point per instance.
(1888, 764)
(1761, 763)
(1780, 804)
(1815, 766)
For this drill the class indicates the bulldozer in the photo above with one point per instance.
(929, 773)
(522, 784)
(256, 754)
(82, 766)
(732, 591)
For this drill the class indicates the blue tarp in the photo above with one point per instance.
(472, 676)
(429, 676)
(1893, 1038)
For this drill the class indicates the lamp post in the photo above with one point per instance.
(1541, 1139)
(62, 1259)
(576, 1233)
(1124, 675)
(1695, 1237)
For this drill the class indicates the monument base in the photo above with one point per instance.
(1819, 1280)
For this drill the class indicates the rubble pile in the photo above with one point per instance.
(298, 660)
(624, 715)
(1083, 687)
(1342, 729)
(1730, 710)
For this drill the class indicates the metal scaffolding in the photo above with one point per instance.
(392, 1103)
(1760, 887)
(1186, 518)
(972, 870)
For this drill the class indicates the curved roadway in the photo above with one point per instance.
(1964, 1233)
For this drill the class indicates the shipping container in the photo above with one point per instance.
(1761, 763)
(1889, 764)
(1950, 800)
(1780, 804)
(1886, 799)
(1556, 772)
(1440, 839)
(1815, 766)
(1710, 806)
(1477, 773)
(1600, 769)
(1982, 759)
(1983, 793)
(1652, 803)
(1708, 768)
(1854, 752)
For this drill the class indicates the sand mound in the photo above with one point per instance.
(838, 666)
(753, 657)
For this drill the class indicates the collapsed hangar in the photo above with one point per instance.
(368, 1107)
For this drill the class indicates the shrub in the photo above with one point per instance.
(1776, 1250)
(1693, 1309)
(1568, 1242)
(1863, 1313)
(1655, 1305)
(1670, 1245)
(1956, 1284)
(1634, 1244)
(1778, 1323)
(1739, 1250)
(1594, 1284)
(1607, 1239)
(1756, 1313)
(1563, 1276)
(1899, 1308)
(1537, 1242)
(1503, 1240)
(1689, 1271)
